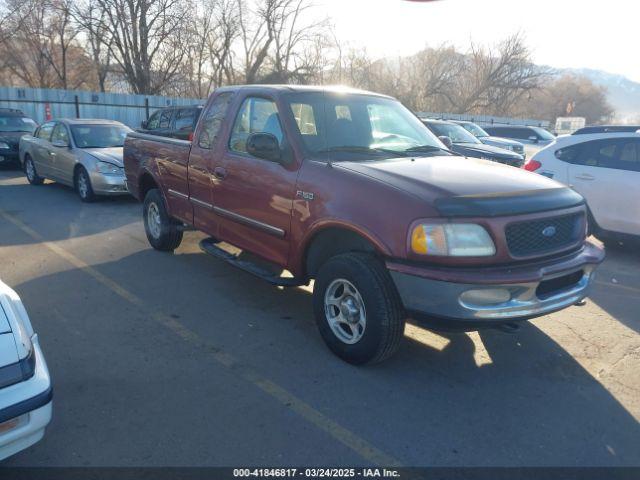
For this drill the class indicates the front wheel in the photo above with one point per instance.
(162, 231)
(83, 186)
(357, 309)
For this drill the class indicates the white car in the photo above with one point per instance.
(605, 169)
(25, 385)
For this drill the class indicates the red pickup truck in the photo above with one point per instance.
(350, 189)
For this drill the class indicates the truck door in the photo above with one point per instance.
(205, 151)
(253, 197)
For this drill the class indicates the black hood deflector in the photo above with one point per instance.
(509, 203)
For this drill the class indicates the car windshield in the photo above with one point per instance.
(475, 130)
(358, 125)
(456, 133)
(99, 136)
(17, 124)
(543, 133)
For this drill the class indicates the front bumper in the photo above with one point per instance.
(497, 294)
(8, 156)
(108, 184)
(25, 408)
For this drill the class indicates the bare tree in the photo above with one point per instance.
(146, 40)
(91, 20)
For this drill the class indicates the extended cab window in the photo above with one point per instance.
(212, 120)
(257, 115)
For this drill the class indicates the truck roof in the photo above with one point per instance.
(301, 88)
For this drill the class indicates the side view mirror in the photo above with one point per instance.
(447, 141)
(143, 124)
(264, 145)
(533, 138)
(60, 144)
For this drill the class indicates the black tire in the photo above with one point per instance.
(385, 316)
(165, 235)
(31, 172)
(82, 182)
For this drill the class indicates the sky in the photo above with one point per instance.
(560, 33)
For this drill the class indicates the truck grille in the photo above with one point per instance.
(545, 235)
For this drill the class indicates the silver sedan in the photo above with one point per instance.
(84, 154)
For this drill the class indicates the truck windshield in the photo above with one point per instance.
(358, 124)
(99, 136)
(17, 124)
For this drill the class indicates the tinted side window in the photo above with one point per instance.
(60, 134)
(569, 154)
(185, 118)
(601, 153)
(212, 120)
(45, 131)
(257, 115)
(154, 121)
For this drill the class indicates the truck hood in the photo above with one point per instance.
(111, 155)
(467, 186)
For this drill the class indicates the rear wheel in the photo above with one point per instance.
(357, 308)
(162, 231)
(31, 173)
(83, 186)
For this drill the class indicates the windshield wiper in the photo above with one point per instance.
(428, 149)
(360, 149)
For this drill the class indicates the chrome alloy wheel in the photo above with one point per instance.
(83, 185)
(30, 170)
(345, 312)
(153, 220)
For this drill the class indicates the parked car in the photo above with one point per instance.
(350, 189)
(25, 385)
(459, 140)
(85, 154)
(537, 136)
(487, 139)
(607, 129)
(173, 122)
(13, 125)
(602, 167)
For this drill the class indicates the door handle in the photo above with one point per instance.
(585, 176)
(220, 173)
(53, 154)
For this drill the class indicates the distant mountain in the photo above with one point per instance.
(623, 94)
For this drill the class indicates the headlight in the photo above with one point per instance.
(452, 239)
(4, 146)
(109, 168)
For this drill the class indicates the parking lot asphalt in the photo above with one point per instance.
(181, 360)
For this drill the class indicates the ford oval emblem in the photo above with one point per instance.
(549, 231)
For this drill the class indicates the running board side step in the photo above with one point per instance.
(210, 246)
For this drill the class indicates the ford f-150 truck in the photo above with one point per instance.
(350, 189)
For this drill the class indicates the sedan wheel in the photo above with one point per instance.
(30, 172)
(83, 186)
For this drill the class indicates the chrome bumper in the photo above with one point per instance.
(488, 302)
